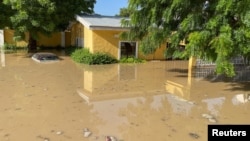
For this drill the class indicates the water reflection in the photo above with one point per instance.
(121, 81)
(130, 98)
(161, 100)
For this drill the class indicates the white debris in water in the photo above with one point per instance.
(209, 117)
(59, 132)
(212, 120)
(110, 138)
(86, 132)
(113, 138)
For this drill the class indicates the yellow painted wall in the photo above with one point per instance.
(67, 39)
(73, 35)
(88, 39)
(50, 41)
(8, 38)
(106, 41)
(77, 31)
(158, 55)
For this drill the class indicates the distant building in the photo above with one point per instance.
(102, 34)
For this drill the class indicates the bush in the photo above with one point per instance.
(81, 56)
(103, 58)
(84, 56)
(10, 47)
(131, 60)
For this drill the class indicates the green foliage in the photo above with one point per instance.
(124, 12)
(42, 16)
(214, 30)
(84, 56)
(9, 47)
(5, 13)
(102, 58)
(12, 48)
(131, 60)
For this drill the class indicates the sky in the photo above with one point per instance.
(109, 7)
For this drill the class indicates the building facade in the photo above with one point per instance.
(102, 34)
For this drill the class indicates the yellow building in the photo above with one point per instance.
(95, 32)
(54, 40)
(101, 34)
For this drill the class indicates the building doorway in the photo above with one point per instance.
(128, 49)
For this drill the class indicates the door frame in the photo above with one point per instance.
(119, 49)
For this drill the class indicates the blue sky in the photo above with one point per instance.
(109, 7)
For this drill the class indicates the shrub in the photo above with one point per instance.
(131, 60)
(103, 58)
(84, 56)
(10, 47)
(81, 56)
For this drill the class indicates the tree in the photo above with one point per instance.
(44, 16)
(124, 12)
(5, 13)
(213, 29)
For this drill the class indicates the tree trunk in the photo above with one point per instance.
(32, 46)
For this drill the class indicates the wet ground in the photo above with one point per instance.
(154, 101)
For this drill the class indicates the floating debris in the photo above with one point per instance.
(59, 132)
(110, 138)
(207, 116)
(210, 118)
(86, 132)
(194, 135)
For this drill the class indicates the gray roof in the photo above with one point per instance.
(97, 22)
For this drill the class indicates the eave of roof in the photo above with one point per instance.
(97, 22)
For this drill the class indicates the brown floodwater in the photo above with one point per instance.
(153, 101)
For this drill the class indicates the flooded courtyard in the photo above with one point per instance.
(153, 101)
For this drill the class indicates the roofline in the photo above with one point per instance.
(85, 23)
(107, 28)
(91, 27)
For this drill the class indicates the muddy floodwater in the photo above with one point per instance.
(153, 101)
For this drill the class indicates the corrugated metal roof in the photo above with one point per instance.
(96, 22)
